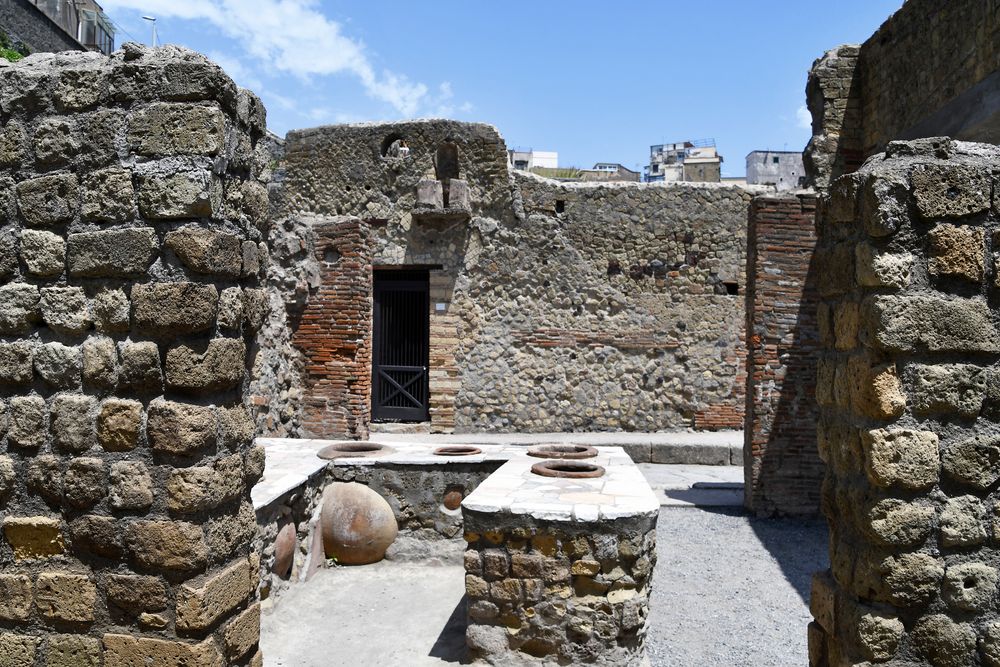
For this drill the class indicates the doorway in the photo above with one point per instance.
(401, 350)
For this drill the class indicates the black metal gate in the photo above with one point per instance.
(400, 388)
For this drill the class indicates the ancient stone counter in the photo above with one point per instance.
(560, 569)
(133, 208)
(910, 412)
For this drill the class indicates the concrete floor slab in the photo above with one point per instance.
(389, 614)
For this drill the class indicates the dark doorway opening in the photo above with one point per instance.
(401, 325)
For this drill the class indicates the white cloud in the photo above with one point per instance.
(803, 118)
(294, 37)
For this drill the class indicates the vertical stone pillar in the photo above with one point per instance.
(132, 212)
(910, 410)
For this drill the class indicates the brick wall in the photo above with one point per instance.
(335, 333)
(783, 470)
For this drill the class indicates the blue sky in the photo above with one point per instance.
(594, 80)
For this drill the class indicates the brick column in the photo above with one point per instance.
(910, 410)
(133, 216)
(335, 333)
(783, 471)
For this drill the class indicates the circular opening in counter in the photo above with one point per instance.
(562, 451)
(457, 450)
(567, 469)
(339, 450)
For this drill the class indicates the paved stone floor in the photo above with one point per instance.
(730, 591)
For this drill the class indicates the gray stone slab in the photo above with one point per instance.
(698, 454)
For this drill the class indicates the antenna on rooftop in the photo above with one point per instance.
(152, 21)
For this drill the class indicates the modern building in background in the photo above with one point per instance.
(691, 161)
(526, 160)
(782, 169)
(609, 171)
(57, 25)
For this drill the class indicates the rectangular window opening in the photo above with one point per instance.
(732, 289)
(560, 206)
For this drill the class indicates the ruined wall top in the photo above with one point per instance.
(931, 69)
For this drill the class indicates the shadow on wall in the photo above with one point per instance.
(784, 472)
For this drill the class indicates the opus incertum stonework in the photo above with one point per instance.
(176, 282)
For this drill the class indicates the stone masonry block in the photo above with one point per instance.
(192, 490)
(65, 309)
(243, 633)
(119, 423)
(958, 252)
(167, 545)
(16, 363)
(894, 522)
(48, 200)
(19, 309)
(180, 428)
(217, 366)
(201, 604)
(34, 537)
(44, 253)
(97, 535)
(66, 597)
(56, 141)
(73, 651)
(875, 268)
(947, 389)
(963, 522)
(141, 366)
(60, 366)
(230, 308)
(950, 191)
(902, 458)
(108, 196)
(206, 251)
(17, 597)
(8, 242)
(45, 477)
(18, 650)
(193, 194)
(174, 308)
(112, 253)
(129, 651)
(73, 422)
(100, 363)
(13, 144)
(970, 586)
(111, 310)
(131, 486)
(163, 129)
(85, 482)
(974, 462)
(430, 193)
(932, 323)
(27, 422)
(135, 594)
(885, 205)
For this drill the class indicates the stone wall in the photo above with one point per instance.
(134, 209)
(783, 470)
(569, 593)
(833, 95)
(553, 306)
(909, 426)
(932, 69)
